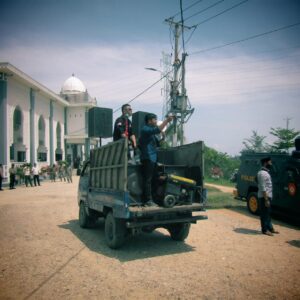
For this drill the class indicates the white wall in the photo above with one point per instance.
(76, 121)
(18, 95)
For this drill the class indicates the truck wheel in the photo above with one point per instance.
(179, 232)
(252, 203)
(85, 221)
(115, 231)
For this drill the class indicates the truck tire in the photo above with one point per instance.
(115, 231)
(179, 232)
(252, 203)
(85, 221)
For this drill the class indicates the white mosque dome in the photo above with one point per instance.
(73, 85)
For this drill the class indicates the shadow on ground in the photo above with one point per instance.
(136, 247)
(277, 217)
(295, 243)
(246, 231)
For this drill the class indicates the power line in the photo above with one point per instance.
(210, 18)
(246, 39)
(258, 89)
(189, 38)
(220, 68)
(203, 10)
(222, 12)
(145, 90)
(188, 7)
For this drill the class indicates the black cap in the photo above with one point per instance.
(150, 117)
(265, 159)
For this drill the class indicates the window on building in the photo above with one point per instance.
(42, 150)
(21, 156)
(58, 136)
(17, 149)
(42, 156)
(41, 127)
(18, 126)
(58, 151)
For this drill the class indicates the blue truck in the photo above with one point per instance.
(285, 175)
(110, 187)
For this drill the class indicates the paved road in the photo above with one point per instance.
(44, 254)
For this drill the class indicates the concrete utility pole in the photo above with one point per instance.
(166, 69)
(178, 104)
(287, 122)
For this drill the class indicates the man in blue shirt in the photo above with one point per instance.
(148, 145)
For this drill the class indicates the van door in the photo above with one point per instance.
(277, 184)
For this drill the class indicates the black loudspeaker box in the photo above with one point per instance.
(100, 122)
(138, 121)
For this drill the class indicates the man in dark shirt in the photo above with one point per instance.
(123, 126)
(148, 147)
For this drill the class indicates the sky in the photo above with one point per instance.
(252, 85)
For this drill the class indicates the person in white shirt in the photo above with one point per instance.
(36, 174)
(27, 175)
(265, 194)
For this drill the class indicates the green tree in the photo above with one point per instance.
(256, 143)
(285, 139)
(225, 162)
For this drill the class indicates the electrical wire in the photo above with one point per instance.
(203, 10)
(221, 13)
(248, 64)
(189, 38)
(145, 90)
(188, 7)
(210, 18)
(246, 39)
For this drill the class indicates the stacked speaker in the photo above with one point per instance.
(100, 122)
(138, 121)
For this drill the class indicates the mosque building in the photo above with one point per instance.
(38, 125)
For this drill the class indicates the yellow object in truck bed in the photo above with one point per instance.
(176, 178)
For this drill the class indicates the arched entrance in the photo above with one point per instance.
(42, 150)
(58, 151)
(18, 149)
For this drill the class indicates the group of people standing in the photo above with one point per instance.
(28, 173)
(62, 172)
(32, 174)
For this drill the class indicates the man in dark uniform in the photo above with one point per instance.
(148, 147)
(123, 126)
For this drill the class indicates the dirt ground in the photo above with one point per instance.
(222, 188)
(44, 254)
